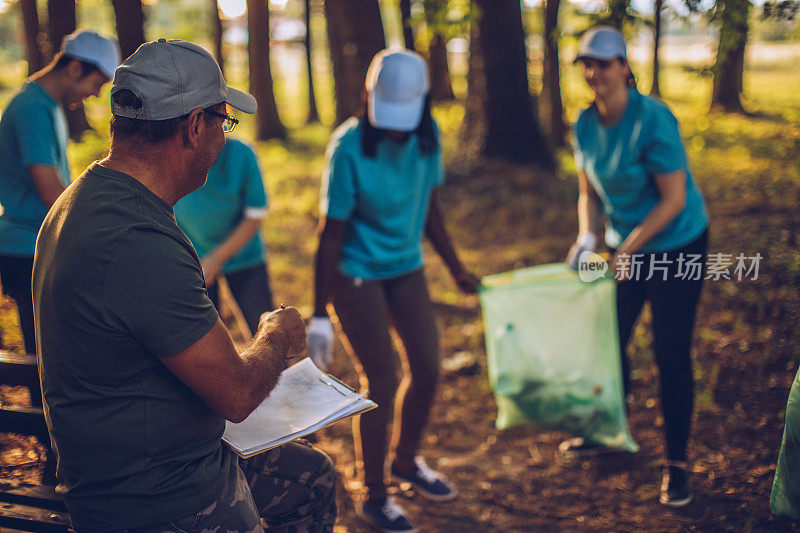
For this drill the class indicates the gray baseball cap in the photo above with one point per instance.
(602, 42)
(172, 78)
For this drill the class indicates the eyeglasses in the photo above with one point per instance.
(228, 124)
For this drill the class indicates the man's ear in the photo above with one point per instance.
(194, 128)
(74, 69)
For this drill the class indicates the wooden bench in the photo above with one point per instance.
(31, 508)
(20, 369)
(28, 507)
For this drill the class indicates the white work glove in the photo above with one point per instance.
(585, 242)
(319, 338)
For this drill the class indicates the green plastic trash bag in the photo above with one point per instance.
(553, 353)
(785, 498)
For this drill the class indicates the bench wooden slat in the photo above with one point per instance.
(28, 518)
(13, 358)
(18, 369)
(34, 495)
(21, 369)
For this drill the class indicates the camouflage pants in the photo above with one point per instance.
(290, 487)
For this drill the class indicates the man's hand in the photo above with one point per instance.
(286, 327)
(319, 337)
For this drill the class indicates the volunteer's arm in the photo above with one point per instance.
(47, 181)
(213, 262)
(437, 234)
(589, 221)
(672, 189)
(328, 253)
(232, 384)
(589, 212)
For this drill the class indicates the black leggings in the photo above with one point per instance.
(673, 303)
(15, 277)
(250, 289)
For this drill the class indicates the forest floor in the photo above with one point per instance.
(502, 217)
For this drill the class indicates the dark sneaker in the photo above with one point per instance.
(386, 516)
(675, 490)
(429, 483)
(579, 447)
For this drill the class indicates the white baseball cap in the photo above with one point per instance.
(172, 78)
(397, 84)
(602, 42)
(88, 46)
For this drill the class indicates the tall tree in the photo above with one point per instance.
(551, 108)
(60, 23)
(655, 89)
(441, 86)
(313, 114)
(30, 22)
(61, 19)
(729, 65)
(216, 31)
(129, 16)
(500, 120)
(408, 30)
(268, 122)
(615, 14)
(355, 35)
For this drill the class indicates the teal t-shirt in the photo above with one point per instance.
(233, 190)
(33, 131)
(117, 286)
(384, 201)
(620, 162)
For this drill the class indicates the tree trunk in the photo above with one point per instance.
(130, 25)
(441, 87)
(60, 23)
(216, 32)
(268, 123)
(408, 30)
(355, 35)
(729, 66)
(551, 109)
(500, 120)
(655, 89)
(30, 21)
(617, 13)
(313, 114)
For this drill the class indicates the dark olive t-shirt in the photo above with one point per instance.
(116, 287)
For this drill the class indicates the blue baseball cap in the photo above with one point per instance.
(602, 42)
(88, 46)
(397, 84)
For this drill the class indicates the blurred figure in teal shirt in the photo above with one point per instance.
(632, 171)
(222, 219)
(34, 169)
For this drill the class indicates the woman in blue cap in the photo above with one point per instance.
(632, 169)
(378, 199)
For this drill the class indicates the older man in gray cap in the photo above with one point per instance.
(138, 372)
